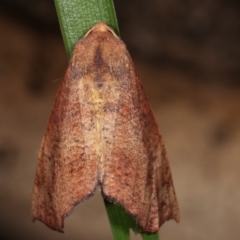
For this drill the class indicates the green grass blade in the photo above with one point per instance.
(76, 17)
(121, 222)
(153, 236)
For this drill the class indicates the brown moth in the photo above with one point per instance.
(102, 132)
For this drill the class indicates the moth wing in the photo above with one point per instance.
(167, 201)
(137, 172)
(67, 166)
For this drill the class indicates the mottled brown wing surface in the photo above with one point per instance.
(136, 171)
(67, 163)
(102, 130)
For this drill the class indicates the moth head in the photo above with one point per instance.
(101, 27)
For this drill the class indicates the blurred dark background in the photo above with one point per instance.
(187, 55)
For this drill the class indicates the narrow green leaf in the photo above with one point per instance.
(153, 236)
(121, 222)
(76, 17)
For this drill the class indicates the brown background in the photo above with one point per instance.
(187, 54)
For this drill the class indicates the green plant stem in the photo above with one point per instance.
(76, 17)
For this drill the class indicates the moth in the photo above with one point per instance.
(102, 132)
